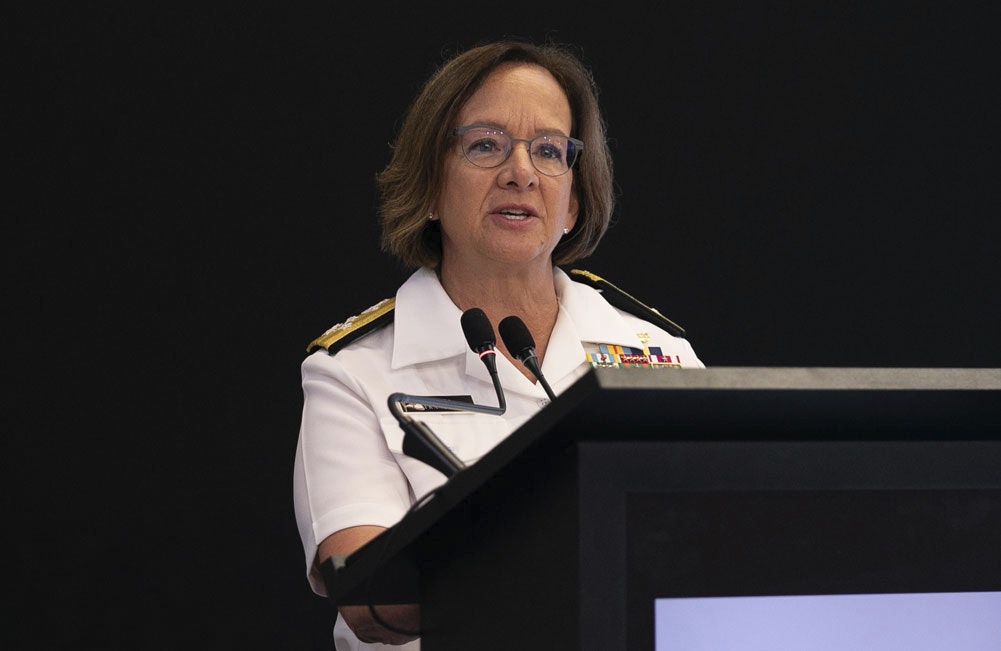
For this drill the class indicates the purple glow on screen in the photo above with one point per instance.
(936, 621)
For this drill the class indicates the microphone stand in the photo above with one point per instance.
(423, 444)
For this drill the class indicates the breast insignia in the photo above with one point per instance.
(615, 356)
(342, 334)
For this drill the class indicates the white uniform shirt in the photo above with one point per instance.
(350, 468)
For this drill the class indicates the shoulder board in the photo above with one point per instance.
(342, 334)
(624, 301)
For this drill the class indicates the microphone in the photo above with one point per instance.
(519, 342)
(418, 439)
(480, 337)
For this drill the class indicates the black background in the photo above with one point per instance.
(192, 201)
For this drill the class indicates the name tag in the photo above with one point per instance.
(423, 408)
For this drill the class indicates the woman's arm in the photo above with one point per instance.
(359, 618)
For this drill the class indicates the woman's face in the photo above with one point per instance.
(510, 216)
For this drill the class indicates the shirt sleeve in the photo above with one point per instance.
(344, 473)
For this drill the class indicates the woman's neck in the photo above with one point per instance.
(531, 297)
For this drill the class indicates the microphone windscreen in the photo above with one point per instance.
(479, 333)
(516, 336)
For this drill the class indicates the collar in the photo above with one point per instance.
(428, 329)
(427, 322)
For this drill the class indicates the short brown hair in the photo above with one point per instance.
(410, 182)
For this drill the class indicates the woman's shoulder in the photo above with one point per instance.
(640, 332)
(353, 328)
(626, 302)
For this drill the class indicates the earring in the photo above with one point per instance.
(566, 231)
(430, 216)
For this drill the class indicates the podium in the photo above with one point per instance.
(645, 484)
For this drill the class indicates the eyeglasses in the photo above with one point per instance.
(552, 154)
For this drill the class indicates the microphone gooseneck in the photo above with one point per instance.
(520, 343)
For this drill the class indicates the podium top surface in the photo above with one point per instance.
(748, 403)
(803, 378)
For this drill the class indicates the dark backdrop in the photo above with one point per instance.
(193, 201)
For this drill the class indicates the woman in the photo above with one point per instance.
(500, 173)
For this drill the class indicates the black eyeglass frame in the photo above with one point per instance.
(578, 146)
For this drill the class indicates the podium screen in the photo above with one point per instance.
(880, 622)
(718, 570)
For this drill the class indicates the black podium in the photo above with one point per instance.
(644, 484)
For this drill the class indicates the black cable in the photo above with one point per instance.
(368, 582)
